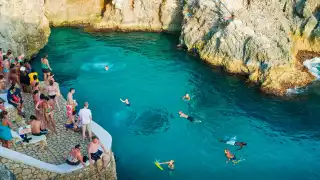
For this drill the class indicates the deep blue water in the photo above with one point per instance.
(283, 135)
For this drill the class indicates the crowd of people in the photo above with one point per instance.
(17, 76)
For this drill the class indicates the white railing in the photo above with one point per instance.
(104, 137)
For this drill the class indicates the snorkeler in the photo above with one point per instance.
(126, 101)
(233, 142)
(231, 157)
(106, 67)
(190, 118)
(186, 97)
(170, 164)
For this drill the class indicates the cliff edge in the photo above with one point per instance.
(260, 39)
(23, 26)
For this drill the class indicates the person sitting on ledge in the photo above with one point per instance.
(15, 99)
(72, 124)
(75, 158)
(126, 101)
(94, 152)
(36, 127)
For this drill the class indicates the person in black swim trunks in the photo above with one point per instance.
(94, 152)
(183, 115)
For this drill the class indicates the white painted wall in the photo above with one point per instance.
(104, 137)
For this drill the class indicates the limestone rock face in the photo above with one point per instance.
(73, 12)
(156, 15)
(5, 174)
(257, 38)
(23, 26)
(126, 15)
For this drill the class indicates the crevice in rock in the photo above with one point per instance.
(105, 3)
(161, 5)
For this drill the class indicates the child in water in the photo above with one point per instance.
(106, 67)
(126, 101)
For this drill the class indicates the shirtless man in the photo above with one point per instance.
(36, 127)
(190, 118)
(94, 152)
(233, 142)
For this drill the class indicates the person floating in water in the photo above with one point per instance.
(190, 118)
(126, 101)
(106, 67)
(233, 142)
(231, 157)
(170, 164)
(186, 97)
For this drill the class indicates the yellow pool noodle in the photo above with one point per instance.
(158, 165)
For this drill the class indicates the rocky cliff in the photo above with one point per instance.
(126, 15)
(258, 38)
(23, 26)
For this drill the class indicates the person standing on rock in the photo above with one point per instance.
(46, 69)
(6, 67)
(85, 116)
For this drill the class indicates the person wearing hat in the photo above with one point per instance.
(24, 80)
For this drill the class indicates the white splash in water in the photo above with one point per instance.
(313, 66)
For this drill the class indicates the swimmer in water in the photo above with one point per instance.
(170, 164)
(191, 119)
(126, 101)
(106, 68)
(231, 157)
(186, 97)
(234, 143)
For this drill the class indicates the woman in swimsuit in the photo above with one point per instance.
(48, 114)
(5, 122)
(6, 66)
(40, 112)
(46, 69)
(52, 93)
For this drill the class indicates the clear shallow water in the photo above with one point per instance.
(283, 136)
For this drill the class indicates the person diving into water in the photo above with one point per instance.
(190, 118)
(233, 142)
(126, 101)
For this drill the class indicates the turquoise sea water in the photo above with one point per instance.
(283, 136)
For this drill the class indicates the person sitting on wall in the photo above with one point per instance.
(36, 127)
(74, 157)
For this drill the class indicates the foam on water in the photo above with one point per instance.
(313, 66)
